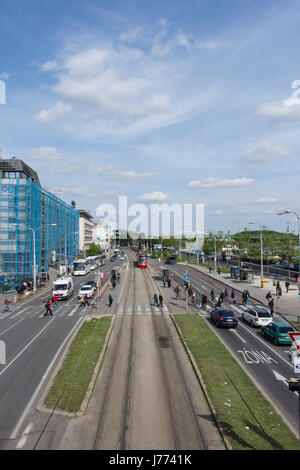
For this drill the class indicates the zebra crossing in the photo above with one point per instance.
(237, 308)
(141, 309)
(60, 311)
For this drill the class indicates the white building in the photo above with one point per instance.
(102, 235)
(86, 226)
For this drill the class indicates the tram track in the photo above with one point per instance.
(182, 410)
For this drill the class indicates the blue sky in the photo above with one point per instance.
(176, 102)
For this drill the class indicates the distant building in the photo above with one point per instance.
(29, 212)
(86, 226)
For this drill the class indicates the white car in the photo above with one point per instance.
(256, 315)
(86, 290)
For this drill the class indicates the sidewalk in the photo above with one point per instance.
(288, 304)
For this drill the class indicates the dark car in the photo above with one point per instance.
(113, 258)
(170, 260)
(224, 318)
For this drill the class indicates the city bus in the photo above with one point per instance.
(81, 267)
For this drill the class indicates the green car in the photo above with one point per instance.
(278, 332)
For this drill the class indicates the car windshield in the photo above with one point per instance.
(61, 287)
(86, 288)
(285, 329)
(226, 313)
(263, 315)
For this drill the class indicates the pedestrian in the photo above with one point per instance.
(86, 301)
(176, 292)
(209, 267)
(164, 281)
(110, 300)
(193, 298)
(244, 296)
(271, 305)
(82, 300)
(216, 301)
(226, 294)
(48, 308)
(169, 282)
(222, 295)
(6, 306)
(155, 298)
(161, 300)
(269, 296)
(219, 270)
(113, 283)
(212, 295)
(118, 277)
(204, 301)
(55, 301)
(287, 285)
(233, 297)
(247, 297)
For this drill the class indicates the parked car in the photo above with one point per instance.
(256, 315)
(86, 290)
(224, 318)
(170, 260)
(278, 332)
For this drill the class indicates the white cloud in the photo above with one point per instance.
(4, 76)
(59, 110)
(45, 154)
(156, 196)
(217, 182)
(49, 65)
(131, 35)
(286, 111)
(71, 189)
(266, 200)
(264, 152)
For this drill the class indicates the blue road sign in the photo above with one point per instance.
(186, 277)
(197, 252)
(276, 276)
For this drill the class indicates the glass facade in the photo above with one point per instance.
(27, 209)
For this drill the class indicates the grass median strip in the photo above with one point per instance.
(78, 366)
(248, 419)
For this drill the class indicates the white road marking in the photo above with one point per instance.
(24, 437)
(27, 346)
(19, 313)
(2, 332)
(37, 390)
(72, 312)
(242, 339)
(139, 309)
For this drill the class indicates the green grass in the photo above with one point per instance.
(241, 428)
(86, 346)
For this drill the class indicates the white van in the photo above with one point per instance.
(63, 288)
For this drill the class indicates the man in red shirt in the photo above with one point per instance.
(48, 308)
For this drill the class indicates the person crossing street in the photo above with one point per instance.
(48, 308)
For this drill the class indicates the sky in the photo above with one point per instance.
(170, 102)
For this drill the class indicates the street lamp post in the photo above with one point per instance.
(261, 253)
(289, 211)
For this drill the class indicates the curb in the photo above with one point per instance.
(40, 406)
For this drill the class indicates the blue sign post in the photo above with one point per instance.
(186, 277)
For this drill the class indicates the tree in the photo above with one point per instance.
(94, 250)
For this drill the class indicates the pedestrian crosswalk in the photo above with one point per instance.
(141, 309)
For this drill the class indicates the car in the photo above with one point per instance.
(91, 283)
(86, 290)
(170, 260)
(224, 318)
(278, 332)
(63, 288)
(113, 258)
(256, 315)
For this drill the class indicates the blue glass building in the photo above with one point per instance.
(25, 207)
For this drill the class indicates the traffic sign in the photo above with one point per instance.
(276, 276)
(186, 277)
(197, 252)
(295, 337)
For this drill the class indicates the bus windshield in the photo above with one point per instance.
(79, 267)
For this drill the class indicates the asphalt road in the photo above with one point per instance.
(32, 342)
(268, 365)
